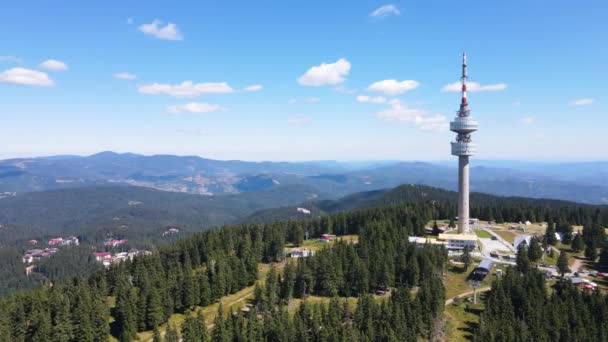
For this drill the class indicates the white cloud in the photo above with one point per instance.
(299, 121)
(194, 107)
(516, 104)
(130, 20)
(10, 59)
(326, 73)
(400, 112)
(304, 100)
(28, 77)
(528, 120)
(385, 11)
(124, 76)
(393, 87)
(473, 87)
(54, 65)
(167, 32)
(582, 102)
(186, 89)
(371, 99)
(254, 87)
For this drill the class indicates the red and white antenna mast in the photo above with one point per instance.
(464, 79)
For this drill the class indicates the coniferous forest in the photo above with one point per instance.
(382, 288)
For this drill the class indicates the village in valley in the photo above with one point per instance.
(114, 250)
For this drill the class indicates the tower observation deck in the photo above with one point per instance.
(463, 147)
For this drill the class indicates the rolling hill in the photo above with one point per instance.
(131, 212)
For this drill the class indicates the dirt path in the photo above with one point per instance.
(466, 294)
(576, 265)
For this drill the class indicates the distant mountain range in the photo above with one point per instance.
(580, 182)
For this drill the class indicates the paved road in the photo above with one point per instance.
(498, 238)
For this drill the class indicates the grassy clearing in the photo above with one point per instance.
(316, 244)
(507, 235)
(456, 280)
(483, 234)
(461, 319)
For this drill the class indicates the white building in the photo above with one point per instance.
(519, 239)
(422, 241)
(459, 241)
(301, 253)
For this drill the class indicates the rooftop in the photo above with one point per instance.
(465, 237)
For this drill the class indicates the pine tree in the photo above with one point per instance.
(466, 258)
(436, 230)
(562, 263)
(523, 262)
(156, 335)
(577, 243)
(171, 334)
(220, 333)
(550, 234)
(535, 251)
(603, 262)
(154, 313)
(191, 329)
(591, 251)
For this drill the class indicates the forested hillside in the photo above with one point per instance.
(483, 206)
(202, 269)
(133, 212)
(381, 288)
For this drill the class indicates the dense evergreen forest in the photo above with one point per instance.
(520, 307)
(201, 269)
(483, 206)
(141, 294)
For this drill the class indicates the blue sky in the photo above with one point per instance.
(302, 80)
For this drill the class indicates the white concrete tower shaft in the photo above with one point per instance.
(463, 147)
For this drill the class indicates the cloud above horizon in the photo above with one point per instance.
(157, 30)
(400, 112)
(194, 107)
(326, 74)
(304, 100)
(582, 102)
(28, 77)
(473, 87)
(254, 87)
(371, 99)
(393, 87)
(186, 89)
(53, 65)
(385, 11)
(124, 76)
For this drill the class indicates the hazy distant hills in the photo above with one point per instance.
(131, 212)
(580, 182)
